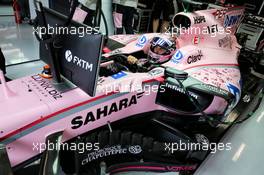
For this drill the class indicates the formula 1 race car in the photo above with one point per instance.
(122, 105)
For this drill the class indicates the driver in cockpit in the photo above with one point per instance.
(159, 50)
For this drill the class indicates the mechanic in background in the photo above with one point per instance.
(164, 10)
(25, 13)
(123, 14)
(89, 6)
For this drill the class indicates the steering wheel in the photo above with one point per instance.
(123, 60)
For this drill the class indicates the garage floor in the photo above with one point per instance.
(18, 45)
(6, 10)
(247, 149)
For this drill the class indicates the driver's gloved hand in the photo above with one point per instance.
(132, 60)
(126, 63)
(112, 69)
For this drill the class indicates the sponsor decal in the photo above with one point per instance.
(195, 58)
(119, 75)
(235, 91)
(225, 42)
(199, 19)
(202, 139)
(105, 111)
(135, 149)
(47, 86)
(231, 20)
(110, 151)
(178, 89)
(70, 58)
(177, 57)
(155, 72)
(220, 13)
(212, 29)
(196, 40)
(101, 80)
(181, 168)
(215, 89)
(142, 41)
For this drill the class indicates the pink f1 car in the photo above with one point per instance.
(117, 121)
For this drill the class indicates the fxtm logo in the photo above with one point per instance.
(194, 58)
(177, 57)
(105, 111)
(68, 55)
(77, 61)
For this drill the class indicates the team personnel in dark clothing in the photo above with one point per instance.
(163, 9)
(89, 6)
(2, 62)
(25, 13)
(123, 13)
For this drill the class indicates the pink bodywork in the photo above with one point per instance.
(34, 109)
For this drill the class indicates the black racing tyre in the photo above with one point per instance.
(117, 147)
